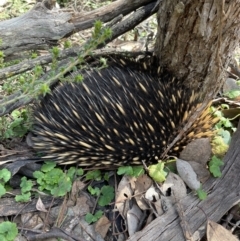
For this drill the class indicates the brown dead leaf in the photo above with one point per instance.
(142, 184)
(102, 226)
(216, 232)
(76, 187)
(198, 150)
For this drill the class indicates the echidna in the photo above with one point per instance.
(116, 116)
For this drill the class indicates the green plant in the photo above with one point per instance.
(26, 187)
(133, 171)
(16, 125)
(105, 196)
(54, 180)
(94, 175)
(157, 172)
(214, 166)
(224, 125)
(232, 94)
(30, 85)
(92, 218)
(202, 195)
(5, 176)
(8, 231)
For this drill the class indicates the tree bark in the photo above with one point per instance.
(196, 40)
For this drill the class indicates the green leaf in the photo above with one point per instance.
(138, 171)
(52, 177)
(94, 191)
(48, 166)
(38, 175)
(227, 123)
(44, 89)
(71, 172)
(232, 94)
(219, 147)
(16, 123)
(79, 172)
(157, 172)
(5, 174)
(26, 185)
(226, 136)
(78, 78)
(106, 176)
(15, 114)
(93, 175)
(214, 166)
(64, 186)
(134, 171)
(90, 218)
(24, 197)
(107, 195)
(127, 170)
(2, 190)
(202, 195)
(8, 231)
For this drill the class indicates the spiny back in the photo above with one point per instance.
(116, 116)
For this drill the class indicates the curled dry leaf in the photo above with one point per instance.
(134, 216)
(188, 175)
(40, 206)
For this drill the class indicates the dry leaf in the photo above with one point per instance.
(176, 184)
(142, 184)
(40, 206)
(216, 232)
(198, 150)
(124, 193)
(152, 194)
(188, 175)
(102, 226)
(133, 219)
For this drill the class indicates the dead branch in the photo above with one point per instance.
(44, 26)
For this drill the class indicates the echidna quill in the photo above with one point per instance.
(116, 116)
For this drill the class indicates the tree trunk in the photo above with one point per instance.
(196, 40)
